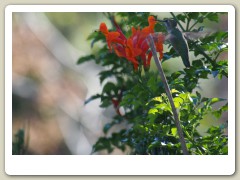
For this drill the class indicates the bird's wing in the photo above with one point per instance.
(196, 35)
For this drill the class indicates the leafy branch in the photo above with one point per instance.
(167, 89)
(151, 113)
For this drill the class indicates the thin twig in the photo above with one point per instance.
(197, 21)
(219, 52)
(201, 51)
(173, 15)
(193, 25)
(167, 89)
(188, 22)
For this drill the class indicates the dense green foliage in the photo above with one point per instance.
(18, 143)
(141, 94)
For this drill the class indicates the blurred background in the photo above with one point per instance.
(49, 88)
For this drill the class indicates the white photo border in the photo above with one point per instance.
(119, 164)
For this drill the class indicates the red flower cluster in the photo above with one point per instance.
(136, 45)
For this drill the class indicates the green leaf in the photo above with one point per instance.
(197, 64)
(107, 127)
(177, 101)
(215, 100)
(152, 117)
(105, 103)
(127, 99)
(152, 83)
(214, 130)
(217, 114)
(163, 107)
(176, 74)
(224, 108)
(165, 129)
(225, 150)
(92, 98)
(109, 87)
(212, 17)
(106, 74)
(154, 144)
(204, 99)
(181, 17)
(18, 143)
(223, 63)
(158, 99)
(174, 91)
(198, 94)
(200, 19)
(117, 120)
(95, 37)
(193, 15)
(174, 131)
(101, 144)
(202, 74)
(152, 111)
(190, 71)
(85, 58)
(189, 145)
(184, 96)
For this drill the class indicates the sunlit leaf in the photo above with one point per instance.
(158, 99)
(174, 131)
(152, 111)
(177, 102)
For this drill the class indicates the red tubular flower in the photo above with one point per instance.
(159, 44)
(136, 45)
(139, 39)
(132, 52)
(151, 24)
(119, 50)
(111, 37)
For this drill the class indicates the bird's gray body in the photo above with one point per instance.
(177, 40)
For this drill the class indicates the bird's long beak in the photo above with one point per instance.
(161, 20)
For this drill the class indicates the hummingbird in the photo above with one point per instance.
(177, 40)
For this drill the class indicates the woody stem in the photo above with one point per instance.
(167, 89)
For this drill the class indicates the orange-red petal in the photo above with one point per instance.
(103, 28)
